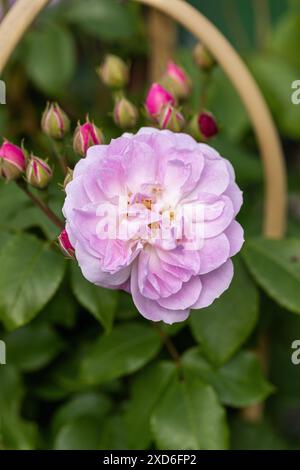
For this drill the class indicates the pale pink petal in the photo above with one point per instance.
(214, 284)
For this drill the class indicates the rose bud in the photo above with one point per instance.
(125, 113)
(38, 172)
(12, 161)
(65, 245)
(85, 136)
(207, 125)
(157, 97)
(68, 177)
(55, 123)
(114, 72)
(177, 81)
(170, 118)
(202, 58)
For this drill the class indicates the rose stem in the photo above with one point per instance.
(46, 209)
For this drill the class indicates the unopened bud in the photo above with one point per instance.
(114, 72)
(85, 136)
(202, 58)
(68, 177)
(38, 172)
(170, 118)
(157, 97)
(125, 113)
(177, 81)
(12, 161)
(55, 123)
(193, 128)
(207, 125)
(65, 244)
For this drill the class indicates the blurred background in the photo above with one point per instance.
(57, 60)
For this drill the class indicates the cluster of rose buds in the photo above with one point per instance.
(114, 73)
(175, 85)
(56, 124)
(14, 163)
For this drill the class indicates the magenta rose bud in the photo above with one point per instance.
(207, 125)
(177, 81)
(153, 213)
(55, 123)
(125, 113)
(170, 118)
(85, 136)
(12, 161)
(157, 98)
(38, 172)
(65, 245)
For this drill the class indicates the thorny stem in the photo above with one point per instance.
(46, 209)
(169, 345)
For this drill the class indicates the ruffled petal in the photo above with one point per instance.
(214, 284)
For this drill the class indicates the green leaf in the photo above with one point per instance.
(189, 416)
(104, 19)
(98, 301)
(88, 404)
(247, 166)
(223, 327)
(227, 106)
(275, 78)
(62, 308)
(126, 349)
(238, 383)
(80, 434)
(255, 436)
(18, 212)
(30, 274)
(286, 38)
(113, 433)
(50, 58)
(15, 432)
(32, 347)
(146, 391)
(275, 266)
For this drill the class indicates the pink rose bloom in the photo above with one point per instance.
(157, 98)
(155, 172)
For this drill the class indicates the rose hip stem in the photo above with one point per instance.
(46, 209)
